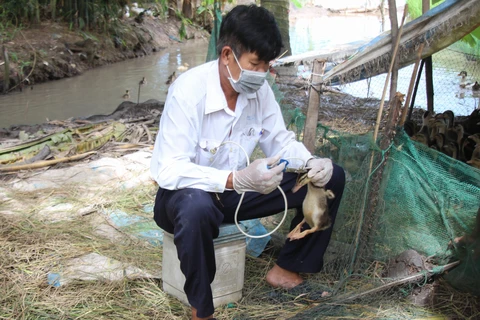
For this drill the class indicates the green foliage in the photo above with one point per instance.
(80, 14)
(13, 57)
(209, 6)
(298, 3)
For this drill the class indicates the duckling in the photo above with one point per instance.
(183, 67)
(422, 137)
(449, 117)
(439, 141)
(455, 134)
(427, 118)
(451, 149)
(410, 127)
(476, 138)
(126, 95)
(438, 126)
(466, 149)
(171, 78)
(475, 160)
(315, 208)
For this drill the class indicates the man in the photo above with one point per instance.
(201, 174)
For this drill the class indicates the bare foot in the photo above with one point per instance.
(194, 315)
(281, 278)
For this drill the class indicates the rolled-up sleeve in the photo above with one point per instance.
(277, 139)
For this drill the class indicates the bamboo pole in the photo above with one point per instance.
(411, 86)
(382, 101)
(392, 12)
(409, 279)
(41, 164)
(310, 131)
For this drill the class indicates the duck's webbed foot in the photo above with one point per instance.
(303, 233)
(295, 230)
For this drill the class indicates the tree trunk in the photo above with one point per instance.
(53, 5)
(187, 9)
(280, 8)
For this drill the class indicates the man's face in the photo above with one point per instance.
(248, 61)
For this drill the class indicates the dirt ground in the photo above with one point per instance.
(52, 51)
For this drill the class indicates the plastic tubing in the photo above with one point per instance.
(243, 194)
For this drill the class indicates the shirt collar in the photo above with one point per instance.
(215, 98)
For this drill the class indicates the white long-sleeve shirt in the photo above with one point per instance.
(190, 149)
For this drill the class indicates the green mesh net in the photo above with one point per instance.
(397, 224)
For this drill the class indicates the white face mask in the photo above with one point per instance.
(249, 81)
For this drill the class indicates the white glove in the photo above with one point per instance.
(258, 177)
(320, 172)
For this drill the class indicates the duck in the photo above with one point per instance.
(171, 78)
(463, 80)
(143, 81)
(476, 86)
(315, 208)
(126, 95)
(183, 67)
(475, 159)
(126, 12)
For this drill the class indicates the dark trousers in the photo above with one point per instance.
(194, 217)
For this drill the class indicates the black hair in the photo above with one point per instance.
(250, 29)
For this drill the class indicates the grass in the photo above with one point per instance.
(36, 241)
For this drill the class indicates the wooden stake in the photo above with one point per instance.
(310, 132)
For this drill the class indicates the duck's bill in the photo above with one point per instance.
(296, 188)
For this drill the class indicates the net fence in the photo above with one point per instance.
(455, 70)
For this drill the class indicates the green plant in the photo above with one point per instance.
(13, 57)
(183, 24)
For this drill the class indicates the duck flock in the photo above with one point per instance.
(459, 139)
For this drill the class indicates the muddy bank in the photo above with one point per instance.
(52, 51)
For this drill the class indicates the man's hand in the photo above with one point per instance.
(320, 171)
(258, 177)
